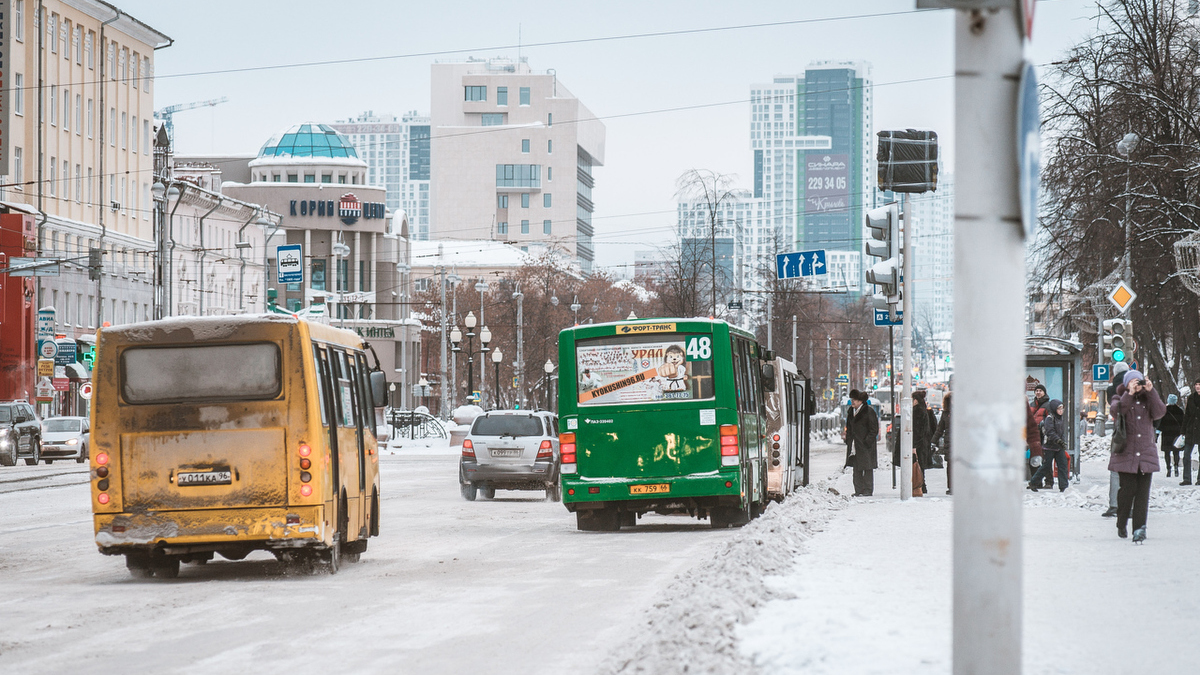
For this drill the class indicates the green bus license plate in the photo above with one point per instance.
(653, 489)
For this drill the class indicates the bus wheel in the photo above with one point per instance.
(468, 491)
(598, 520)
(138, 565)
(166, 567)
(488, 492)
(628, 519)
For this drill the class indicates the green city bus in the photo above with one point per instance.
(663, 416)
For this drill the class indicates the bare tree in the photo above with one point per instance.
(1105, 204)
(713, 190)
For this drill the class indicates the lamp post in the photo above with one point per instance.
(1125, 147)
(424, 385)
(497, 357)
(341, 250)
(575, 307)
(482, 287)
(485, 336)
(549, 368)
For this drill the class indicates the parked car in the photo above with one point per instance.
(65, 438)
(510, 450)
(20, 433)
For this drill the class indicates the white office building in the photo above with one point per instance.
(932, 215)
(397, 157)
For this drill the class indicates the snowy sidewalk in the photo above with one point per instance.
(872, 592)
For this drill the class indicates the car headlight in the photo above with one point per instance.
(73, 441)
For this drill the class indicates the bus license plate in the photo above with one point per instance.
(205, 478)
(654, 489)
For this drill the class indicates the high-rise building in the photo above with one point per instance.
(397, 157)
(512, 157)
(932, 216)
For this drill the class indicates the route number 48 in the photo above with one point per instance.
(699, 348)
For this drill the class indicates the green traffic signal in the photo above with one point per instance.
(1118, 355)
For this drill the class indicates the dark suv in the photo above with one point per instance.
(20, 433)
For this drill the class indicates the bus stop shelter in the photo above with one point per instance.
(1056, 363)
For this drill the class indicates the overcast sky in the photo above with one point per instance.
(628, 79)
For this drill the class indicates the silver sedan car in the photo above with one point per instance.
(510, 450)
(65, 438)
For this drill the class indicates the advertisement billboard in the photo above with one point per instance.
(827, 183)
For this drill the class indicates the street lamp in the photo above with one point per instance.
(1125, 147)
(549, 368)
(485, 336)
(497, 357)
(575, 307)
(341, 250)
(482, 287)
(392, 388)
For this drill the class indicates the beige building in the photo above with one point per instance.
(512, 157)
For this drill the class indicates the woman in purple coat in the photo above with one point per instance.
(1139, 405)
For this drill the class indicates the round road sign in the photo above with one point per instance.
(48, 349)
(85, 390)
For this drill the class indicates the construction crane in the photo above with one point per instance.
(165, 114)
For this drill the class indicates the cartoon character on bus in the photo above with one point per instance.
(673, 372)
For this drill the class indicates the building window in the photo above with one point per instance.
(51, 29)
(524, 200)
(341, 179)
(91, 118)
(133, 134)
(124, 130)
(549, 119)
(78, 114)
(524, 95)
(19, 19)
(310, 178)
(293, 178)
(518, 175)
(549, 173)
(502, 201)
(18, 169)
(326, 178)
(275, 178)
(78, 42)
(501, 95)
(549, 146)
(502, 227)
(145, 137)
(146, 73)
(343, 275)
(53, 176)
(545, 227)
(524, 227)
(78, 183)
(89, 51)
(474, 93)
(525, 145)
(364, 275)
(112, 126)
(491, 119)
(53, 106)
(19, 93)
(546, 200)
(318, 275)
(91, 183)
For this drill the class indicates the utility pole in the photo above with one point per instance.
(519, 364)
(769, 344)
(906, 424)
(828, 376)
(442, 338)
(989, 295)
(794, 356)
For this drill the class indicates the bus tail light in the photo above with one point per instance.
(729, 445)
(306, 490)
(468, 448)
(304, 450)
(305, 464)
(102, 458)
(545, 451)
(566, 453)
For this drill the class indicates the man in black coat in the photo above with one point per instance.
(1191, 431)
(862, 432)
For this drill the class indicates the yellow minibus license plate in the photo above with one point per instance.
(654, 489)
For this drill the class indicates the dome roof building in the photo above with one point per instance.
(308, 140)
(308, 153)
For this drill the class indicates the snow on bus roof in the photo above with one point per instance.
(201, 327)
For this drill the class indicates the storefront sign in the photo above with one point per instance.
(45, 367)
(376, 332)
(61, 384)
(349, 209)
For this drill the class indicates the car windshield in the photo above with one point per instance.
(5, 414)
(507, 425)
(60, 426)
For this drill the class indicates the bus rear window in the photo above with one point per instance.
(200, 373)
(644, 369)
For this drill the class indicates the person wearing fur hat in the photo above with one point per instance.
(1054, 447)
(1139, 406)
(862, 432)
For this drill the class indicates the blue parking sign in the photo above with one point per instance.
(1101, 373)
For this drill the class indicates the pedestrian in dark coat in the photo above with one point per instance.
(942, 436)
(862, 434)
(1139, 405)
(1170, 428)
(1191, 431)
(1038, 406)
(1054, 447)
(922, 436)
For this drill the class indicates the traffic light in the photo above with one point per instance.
(907, 160)
(883, 227)
(94, 264)
(1117, 334)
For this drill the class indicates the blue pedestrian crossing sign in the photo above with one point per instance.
(884, 318)
(1101, 372)
(800, 264)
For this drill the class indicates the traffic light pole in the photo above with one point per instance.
(989, 297)
(906, 405)
(892, 398)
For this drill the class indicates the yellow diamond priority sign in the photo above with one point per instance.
(1121, 296)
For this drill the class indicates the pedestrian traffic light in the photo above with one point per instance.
(1116, 339)
(883, 227)
(94, 264)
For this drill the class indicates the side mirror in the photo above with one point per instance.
(378, 388)
(768, 377)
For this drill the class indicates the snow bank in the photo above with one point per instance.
(691, 626)
(1167, 498)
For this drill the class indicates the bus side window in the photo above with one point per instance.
(736, 348)
(341, 398)
(364, 393)
(322, 394)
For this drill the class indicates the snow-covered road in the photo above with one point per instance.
(507, 586)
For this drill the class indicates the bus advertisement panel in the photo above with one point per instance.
(641, 369)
